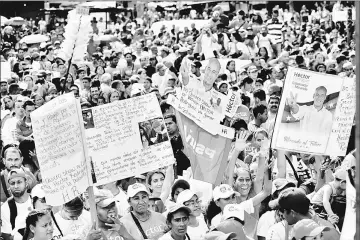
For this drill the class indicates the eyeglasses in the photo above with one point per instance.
(192, 203)
(182, 219)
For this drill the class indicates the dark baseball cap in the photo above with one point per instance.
(196, 64)
(293, 199)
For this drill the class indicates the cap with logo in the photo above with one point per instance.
(177, 207)
(307, 228)
(135, 189)
(185, 196)
(223, 191)
(15, 173)
(233, 210)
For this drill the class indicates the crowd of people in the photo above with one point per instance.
(290, 195)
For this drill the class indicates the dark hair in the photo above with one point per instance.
(28, 103)
(260, 94)
(73, 85)
(13, 88)
(164, 106)
(76, 203)
(32, 219)
(151, 174)
(126, 83)
(238, 124)
(211, 211)
(96, 69)
(247, 80)
(259, 109)
(172, 116)
(245, 99)
(148, 79)
(181, 183)
(115, 84)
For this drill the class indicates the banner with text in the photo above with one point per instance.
(316, 113)
(59, 147)
(208, 154)
(126, 138)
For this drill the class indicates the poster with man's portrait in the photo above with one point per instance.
(316, 113)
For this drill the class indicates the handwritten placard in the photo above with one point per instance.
(59, 148)
(128, 138)
(232, 104)
(343, 119)
(315, 114)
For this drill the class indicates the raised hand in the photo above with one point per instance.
(291, 101)
(240, 142)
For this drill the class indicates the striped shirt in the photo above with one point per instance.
(275, 31)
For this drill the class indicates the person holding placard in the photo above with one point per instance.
(315, 119)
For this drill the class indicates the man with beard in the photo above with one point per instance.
(13, 160)
(182, 162)
(94, 95)
(109, 226)
(15, 210)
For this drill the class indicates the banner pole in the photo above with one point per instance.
(357, 132)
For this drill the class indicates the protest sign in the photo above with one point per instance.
(311, 113)
(59, 146)
(5, 70)
(200, 102)
(340, 16)
(207, 153)
(232, 104)
(181, 24)
(126, 138)
(239, 64)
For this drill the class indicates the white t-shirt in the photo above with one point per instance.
(277, 231)
(167, 236)
(79, 227)
(198, 233)
(208, 46)
(265, 222)
(8, 131)
(153, 227)
(247, 205)
(23, 209)
(160, 81)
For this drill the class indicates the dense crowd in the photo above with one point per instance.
(303, 196)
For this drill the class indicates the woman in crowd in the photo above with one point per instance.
(177, 220)
(39, 225)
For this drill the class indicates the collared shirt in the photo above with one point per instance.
(314, 121)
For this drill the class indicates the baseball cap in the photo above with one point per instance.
(233, 210)
(217, 235)
(280, 183)
(222, 191)
(38, 191)
(185, 196)
(103, 197)
(14, 173)
(56, 42)
(177, 207)
(340, 174)
(293, 199)
(196, 64)
(252, 68)
(307, 228)
(135, 189)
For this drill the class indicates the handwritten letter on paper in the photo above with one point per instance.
(129, 138)
(59, 148)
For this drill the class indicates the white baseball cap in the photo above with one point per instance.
(38, 191)
(135, 189)
(233, 210)
(185, 196)
(223, 191)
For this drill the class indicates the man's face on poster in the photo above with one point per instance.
(211, 73)
(319, 97)
(273, 105)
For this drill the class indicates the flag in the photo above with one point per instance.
(208, 153)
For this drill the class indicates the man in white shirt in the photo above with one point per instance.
(8, 132)
(160, 78)
(15, 210)
(314, 119)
